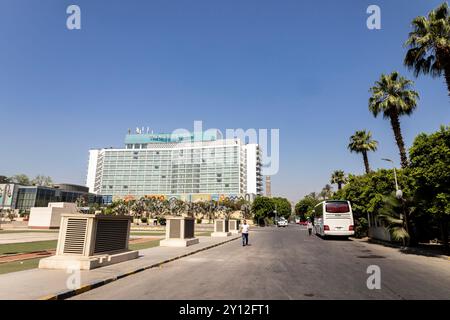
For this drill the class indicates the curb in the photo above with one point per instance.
(84, 288)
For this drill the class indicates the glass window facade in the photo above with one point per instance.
(28, 197)
(169, 169)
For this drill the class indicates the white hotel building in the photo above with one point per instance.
(177, 166)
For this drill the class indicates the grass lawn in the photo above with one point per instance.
(204, 233)
(23, 247)
(28, 231)
(148, 233)
(45, 245)
(19, 265)
(144, 245)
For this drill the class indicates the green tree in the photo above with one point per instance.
(326, 192)
(41, 180)
(81, 202)
(176, 207)
(338, 177)
(262, 208)
(139, 207)
(5, 179)
(392, 95)
(361, 142)
(304, 207)
(120, 209)
(393, 212)
(21, 179)
(283, 207)
(430, 169)
(429, 44)
(367, 193)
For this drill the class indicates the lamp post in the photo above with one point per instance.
(398, 192)
(275, 211)
(399, 196)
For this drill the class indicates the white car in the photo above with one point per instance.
(282, 223)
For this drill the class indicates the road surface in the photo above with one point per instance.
(286, 263)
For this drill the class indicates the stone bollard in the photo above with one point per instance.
(221, 228)
(88, 241)
(234, 226)
(180, 232)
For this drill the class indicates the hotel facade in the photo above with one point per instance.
(182, 166)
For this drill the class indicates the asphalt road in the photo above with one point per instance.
(285, 263)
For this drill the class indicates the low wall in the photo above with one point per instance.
(49, 217)
(379, 233)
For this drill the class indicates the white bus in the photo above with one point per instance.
(333, 218)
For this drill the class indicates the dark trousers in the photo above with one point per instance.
(310, 231)
(245, 239)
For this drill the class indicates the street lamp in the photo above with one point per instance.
(398, 192)
(275, 211)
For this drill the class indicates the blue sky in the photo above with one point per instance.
(304, 67)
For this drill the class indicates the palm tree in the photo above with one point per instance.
(429, 44)
(139, 207)
(397, 215)
(361, 142)
(326, 192)
(392, 95)
(338, 177)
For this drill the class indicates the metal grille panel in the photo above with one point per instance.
(174, 231)
(75, 236)
(111, 235)
(219, 225)
(188, 229)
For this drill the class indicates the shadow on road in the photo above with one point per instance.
(333, 238)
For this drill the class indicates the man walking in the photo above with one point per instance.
(245, 228)
(309, 226)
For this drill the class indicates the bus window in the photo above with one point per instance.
(337, 207)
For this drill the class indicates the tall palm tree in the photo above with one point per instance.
(361, 142)
(392, 95)
(326, 192)
(338, 177)
(429, 44)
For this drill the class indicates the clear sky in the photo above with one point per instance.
(304, 67)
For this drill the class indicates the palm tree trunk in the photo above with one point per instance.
(443, 56)
(339, 185)
(447, 77)
(366, 161)
(444, 230)
(395, 123)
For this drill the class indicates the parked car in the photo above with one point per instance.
(282, 223)
(303, 223)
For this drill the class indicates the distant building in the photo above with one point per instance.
(268, 187)
(14, 196)
(181, 166)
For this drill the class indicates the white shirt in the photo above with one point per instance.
(245, 228)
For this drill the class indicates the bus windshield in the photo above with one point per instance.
(337, 207)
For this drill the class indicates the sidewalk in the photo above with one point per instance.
(51, 284)
(20, 237)
(419, 250)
